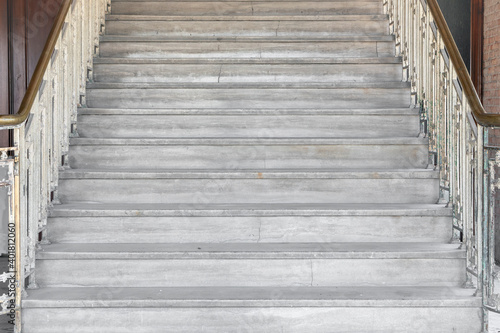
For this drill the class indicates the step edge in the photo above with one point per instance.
(250, 112)
(299, 61)
(194, 18)
(248, 174)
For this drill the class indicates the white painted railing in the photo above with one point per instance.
(458, 130)
(41, 132)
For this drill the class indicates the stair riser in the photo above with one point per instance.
(246, 28)
(238, 50)
(249, 272)
(255, 98)
(221, 229)
(236, 157)
(247, 73)
(245, 8)
(205, 191)
(253, 320)
(244, 126)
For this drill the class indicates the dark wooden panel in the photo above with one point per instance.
(41, 14)
(4, 67)
(19, 80)
(476, 36)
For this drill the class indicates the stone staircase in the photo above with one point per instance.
(249, 166)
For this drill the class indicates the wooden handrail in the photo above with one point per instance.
(41, 67)
(481, 116)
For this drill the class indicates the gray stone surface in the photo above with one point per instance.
(255, 97)
(244, 49)
(116, 228)
(247, 153)
(250, 61)
(245, 296)
(285, 319)
(223, 188)
(247, 72)
(295, 18)
(243, 28)
(246, 8)
(123, 123)
(494, 322)
(249, 272)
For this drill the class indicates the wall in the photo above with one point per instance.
(24, 28)
(490, 83)
(491, 56)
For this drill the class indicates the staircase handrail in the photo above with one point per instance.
(480, 115)
(12, 120)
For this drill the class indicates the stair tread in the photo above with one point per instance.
(162, 39)
(250, 174)
(338, 17)
(206, 141)
(249, 85)
(249, 111)
(341, 250)
(251, 296)
(304, 60)
(235, 209)
(257, 1)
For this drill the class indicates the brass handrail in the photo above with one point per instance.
(481, 116)
(41, 67)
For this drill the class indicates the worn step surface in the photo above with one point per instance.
(264, 223)
(247, 123)
(129, 47)
(245, 153)
(250, 61)
(219, 95)
(270, 186)
(237, 73)
(222, 18)
(250, 264)
(246, 7)
(297, 309)
(240, 27)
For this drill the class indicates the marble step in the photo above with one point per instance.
(265, 223)
(226, 309)
(219, 18)
(237, 73)
(219, 1)
(191, 8)
(247, 153)
(248, 61)
(230, 95)
(257, 39)
(138, 47)
(250, 264)
(248, 186)
(247, 123)
(240, 27)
